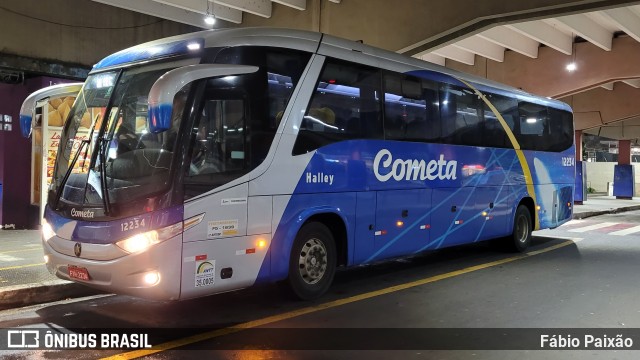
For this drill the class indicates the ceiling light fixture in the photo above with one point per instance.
(572, 66)
(209, 19)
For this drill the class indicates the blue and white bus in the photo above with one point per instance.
(217, 160)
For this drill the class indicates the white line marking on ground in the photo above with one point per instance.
(4, 257)
(573, 222)
(628, 231)
(593, 227)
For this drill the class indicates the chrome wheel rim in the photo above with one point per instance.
(312, 263)
(523, 229)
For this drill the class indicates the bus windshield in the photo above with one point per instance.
(118, 159)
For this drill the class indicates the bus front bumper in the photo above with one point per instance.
(151, 274)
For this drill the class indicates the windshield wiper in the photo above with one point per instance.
(83, 143)
(103, 175)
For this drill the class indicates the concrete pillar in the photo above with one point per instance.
(580, 194)
(578, 145)
(623, 176)
(624, 152)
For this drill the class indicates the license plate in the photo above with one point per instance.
(78, 273)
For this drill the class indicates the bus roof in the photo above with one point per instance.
(306, 41)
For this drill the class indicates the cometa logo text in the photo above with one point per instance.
(82, 213)
(414, 169)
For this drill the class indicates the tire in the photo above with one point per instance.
(522, 226)
(312, 264)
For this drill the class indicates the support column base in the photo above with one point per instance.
(623, 180)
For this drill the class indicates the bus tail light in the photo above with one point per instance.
(141, 242)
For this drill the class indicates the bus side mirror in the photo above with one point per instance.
(29, 104)
(165, 88)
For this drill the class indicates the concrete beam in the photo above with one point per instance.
(198, 6)
(545, 34)
(296, 4)
(633, 83)
(547, 75)
(623, 130)
(481, 22)
(513, 40)
(433, 24)
(482, 47)
(433, 58)
(626, 20)
(589, 30)
(260, 8)
(40, 29)
(154, 8)
(457, 54)
(600, 107)
(44, 67)
(608, 86)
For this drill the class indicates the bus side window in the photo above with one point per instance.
(219, 147)
(345, 106)
(430, 95)
(495, 135)
(411, 109)
(533, 124)
(461, 116)
(561, 124)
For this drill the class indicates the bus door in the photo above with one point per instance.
(219, 155)
(402, 223)
(216, 200)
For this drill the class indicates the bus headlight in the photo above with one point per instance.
(141, 242)
(47, 230)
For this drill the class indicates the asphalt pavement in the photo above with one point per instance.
(24, 279)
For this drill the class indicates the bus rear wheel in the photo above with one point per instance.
(522, 226)
(313, 261)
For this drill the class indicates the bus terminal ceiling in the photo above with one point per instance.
(525, 44)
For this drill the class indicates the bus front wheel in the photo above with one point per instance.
(313, 261)
(522, 227)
